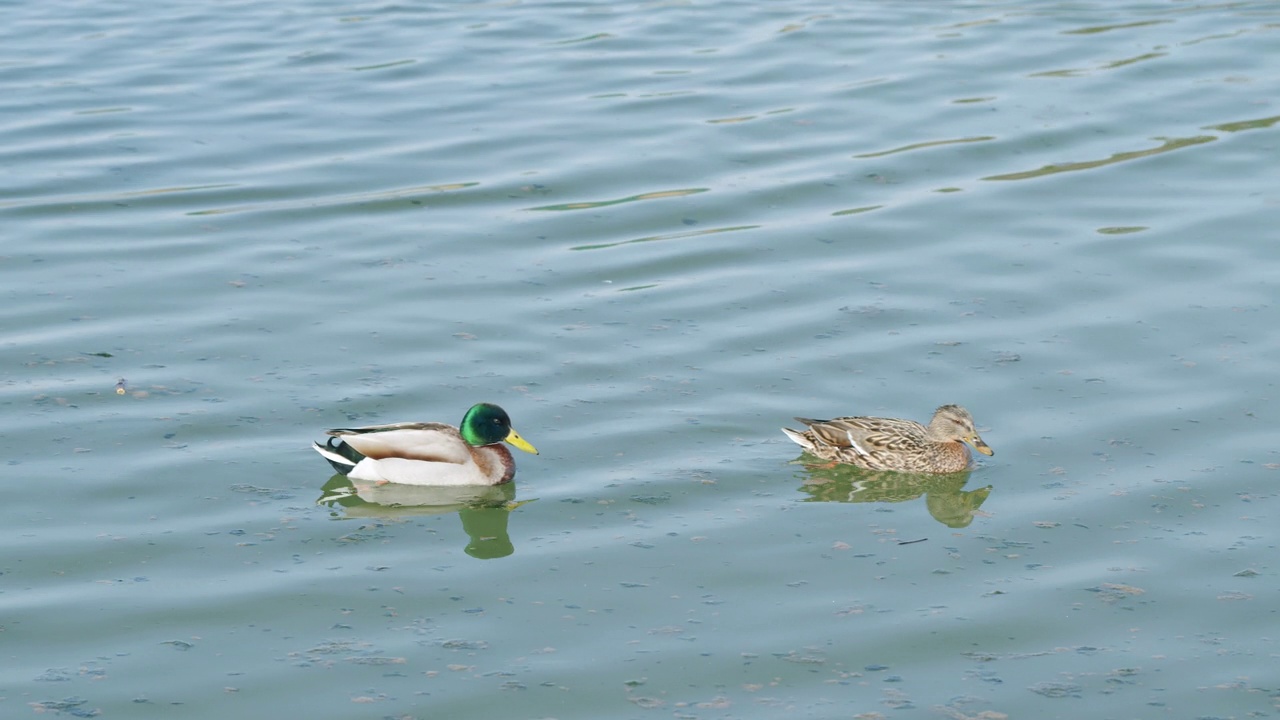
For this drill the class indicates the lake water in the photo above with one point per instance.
(653, 232)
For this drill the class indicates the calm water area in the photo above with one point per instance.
(653, 232)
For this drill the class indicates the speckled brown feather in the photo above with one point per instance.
(876, 443)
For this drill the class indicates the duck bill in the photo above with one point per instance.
(514, 438)
(980, 446)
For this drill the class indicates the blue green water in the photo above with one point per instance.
(653, 232)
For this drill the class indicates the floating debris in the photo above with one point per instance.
(1056, 689)
(375, 660)
(68, 705)
(464, 644)
(807, 659)
(1114, 592)
(651, 499)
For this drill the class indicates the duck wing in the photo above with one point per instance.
(431, 442)
(867, 435)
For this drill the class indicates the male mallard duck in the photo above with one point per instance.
(892, 444)
(429, 453)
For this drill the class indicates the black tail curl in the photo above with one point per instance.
(340, 448)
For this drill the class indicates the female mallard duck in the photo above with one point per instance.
(429, 453)
(891, 444)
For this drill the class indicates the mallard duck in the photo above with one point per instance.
(416, 453)
(891, 444)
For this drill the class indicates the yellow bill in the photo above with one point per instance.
(514, 438)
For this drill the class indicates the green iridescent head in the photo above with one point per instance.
(488, 424)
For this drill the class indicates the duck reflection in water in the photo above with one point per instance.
(483, 510)
(945, 497)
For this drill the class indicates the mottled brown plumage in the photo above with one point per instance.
(891, 444)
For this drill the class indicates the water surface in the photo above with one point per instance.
(654, 233)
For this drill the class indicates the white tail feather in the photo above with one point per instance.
(332, 456)
(798, 438)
